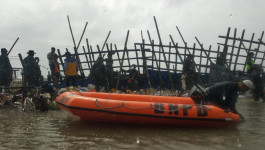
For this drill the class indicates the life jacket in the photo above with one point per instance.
(56, 67)
(250, 63)
(71, 68)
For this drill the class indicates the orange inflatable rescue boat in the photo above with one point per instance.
(143, 109)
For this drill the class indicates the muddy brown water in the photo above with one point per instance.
(60, 130)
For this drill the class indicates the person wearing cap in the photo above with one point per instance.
(31, 70)
(70, 71)
(250, 63)
(5, 69)
(189, 72)
(50, 57)
(225, 94)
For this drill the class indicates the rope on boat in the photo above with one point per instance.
(151, 106)
(108, 107)
(136, 108)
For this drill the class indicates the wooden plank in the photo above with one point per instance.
(125, 48)
(233, 47)
(160, 42)
(238, 51)
(250, 44)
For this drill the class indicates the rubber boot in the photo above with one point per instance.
(74, 88)
(68, 88)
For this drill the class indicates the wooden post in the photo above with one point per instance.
(99, 52)
(13, 46)
(200, 57)
(154, 55)
(169, 53)
(186, 48)
(89, 54)
(137, 57)
(117, 54)
(125, 49)
(233, 47)
(249, 48)
(206, 66)
(128, 58)
(23, 80)
(86, 57)
(105, 41)
(92, 53)
(202, 49)
(226, 40)
(76, 48)
(152, 48)
(259, 46)
(145, 65)
(176, 48)
(239, 48)
(60, 58)
(176, 59)
(161, 45)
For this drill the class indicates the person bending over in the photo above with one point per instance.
(225, 94)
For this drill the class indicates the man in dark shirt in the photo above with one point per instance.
(98, 74)
(109, 72)
(32, 70)
(189, 73)
(224, 94)
(5, 69)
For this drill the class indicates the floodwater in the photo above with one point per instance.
(60, 130)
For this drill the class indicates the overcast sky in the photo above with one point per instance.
(41, 24)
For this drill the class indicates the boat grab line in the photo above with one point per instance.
(151, 106)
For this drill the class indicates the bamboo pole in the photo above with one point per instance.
(160, 42)
(206, 66)
(232, 51)
(23, 79)
(145, 65)
(259, 46)
(154, 55)
(238, 51)
(250, 45)
(92, 53)
(117, 54)
(105, 41)
(76, 48)
(137, 57)
(89, 54)
(186, 47)
(12, 46)
(86, 57)
(60, 58)
(125, 48)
